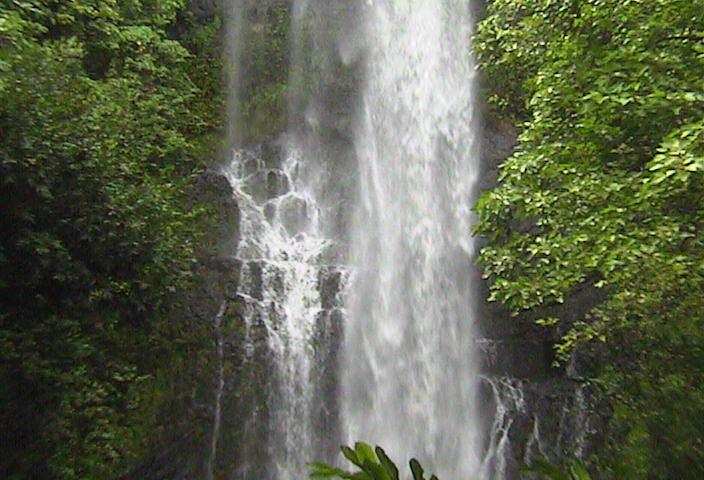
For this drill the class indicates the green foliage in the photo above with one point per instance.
(373, 464)
(567, 470)
(606, 192)
(101, 124)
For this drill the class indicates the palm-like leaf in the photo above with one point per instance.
(374, 464)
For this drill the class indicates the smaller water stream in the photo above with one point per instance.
(281, 251)
(218, 392)
(508, 401)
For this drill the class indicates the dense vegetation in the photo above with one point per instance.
(108, 110)
(606, 191)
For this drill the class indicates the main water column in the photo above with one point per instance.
(409, 372)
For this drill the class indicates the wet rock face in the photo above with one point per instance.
(499, 139)
(204, 9)
(165, 465)
(515, 357)
(211, 188)
(547, 418)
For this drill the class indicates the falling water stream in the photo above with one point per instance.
(409, 373)
(281, 251)
(406, 376)
(219, 390)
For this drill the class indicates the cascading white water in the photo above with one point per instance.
(281, 250)
(289, 276)
(508, 399)
(409, 373)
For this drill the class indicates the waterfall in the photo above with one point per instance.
(358, 297)
(363, 218)
(409, 372)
